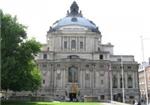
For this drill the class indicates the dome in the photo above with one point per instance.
(74, 17)
(81, 21)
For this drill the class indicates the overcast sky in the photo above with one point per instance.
(121, 22)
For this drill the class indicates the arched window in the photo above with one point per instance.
(72, 74)
(81, 45)
(114, 82)
(121, 84)
(130, 81)
(101, 56)
(65, 44)
(58, 76)
(87, 75)
(44, 56)
(73, 44)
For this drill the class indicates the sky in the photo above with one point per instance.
(121, 22)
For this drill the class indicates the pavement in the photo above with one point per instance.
(120, 104)
(115, 103)
(107, 104)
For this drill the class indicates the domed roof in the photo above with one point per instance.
(81, 21)
(74, 17)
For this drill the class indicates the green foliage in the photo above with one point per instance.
(19, 70)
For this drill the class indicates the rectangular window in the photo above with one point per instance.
(58, 77)
(131, 97)
(44, 65)
(73, 44)
(114, 81)
(43, 81)
(129, 67)
(44, 56)
(58, 65)
(65, 44)
(119, 59)
(87, 65)
(100, 56)
(87, 76)
(98, 49)
(102, 81)
(102, 97)
(81, 45)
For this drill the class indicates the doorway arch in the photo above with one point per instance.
(73, 74)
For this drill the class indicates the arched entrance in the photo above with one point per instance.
(73, 80)
(117, 97)
(72, 96)
(72, 74)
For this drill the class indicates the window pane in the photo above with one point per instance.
(81, 45)
(44, 56)
(58, 77)
(102, 81)
(43, 81)
(73, 44)
(130, 82)
(72, 73)
(100, 56)
(115, 82)
(65, 44)
(44, 65)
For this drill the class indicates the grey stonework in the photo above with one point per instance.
(74, 52)
(96, 84)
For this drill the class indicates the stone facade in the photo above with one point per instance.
(142, 83)
(74, 62)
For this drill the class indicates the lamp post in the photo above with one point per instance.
(122, 72)
(142, 48)
(93, 78)
(110, 74)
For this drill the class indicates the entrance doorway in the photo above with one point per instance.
(117, 97)
(72, 97)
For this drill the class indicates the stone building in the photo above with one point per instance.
(74, 63)
(144, 80)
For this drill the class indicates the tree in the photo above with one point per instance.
(19, 70)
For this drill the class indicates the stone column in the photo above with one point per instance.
(118, 79)
(69, 43)
(80, 78)
(90, 73)
(63, 78)
(83, 78)
(84, 43)
(78, 44)
(133, 78)
(55, 81)
(136, 80)
(126, 80)
(94, 77)
(62, 81)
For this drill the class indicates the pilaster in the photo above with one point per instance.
(118, 79)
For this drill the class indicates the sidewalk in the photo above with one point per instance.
(115, 103)
(107, 104)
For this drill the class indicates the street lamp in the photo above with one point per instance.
(110, 74)
(123, 96)
(142, 48)
(93, 77)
